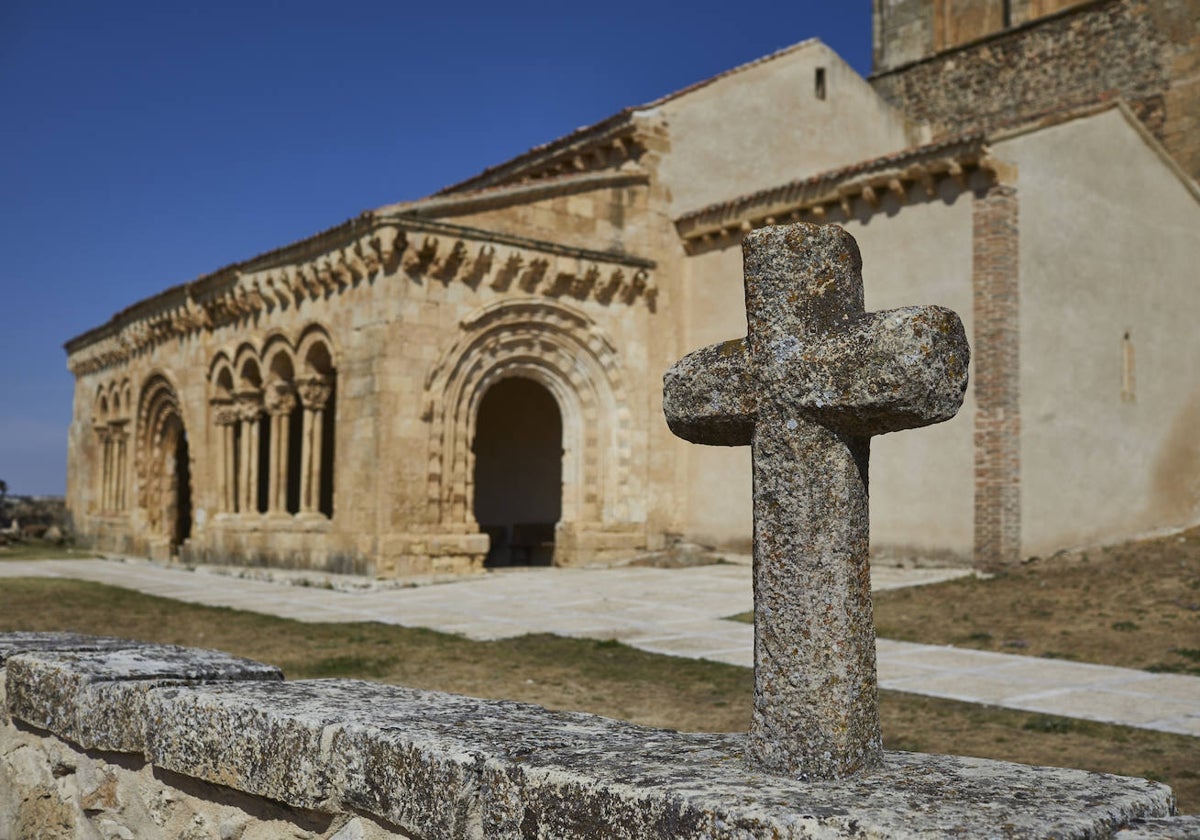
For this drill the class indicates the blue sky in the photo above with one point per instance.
(146, 144)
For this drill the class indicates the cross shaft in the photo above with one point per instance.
(814, 379)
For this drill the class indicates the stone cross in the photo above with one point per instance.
(813, 380)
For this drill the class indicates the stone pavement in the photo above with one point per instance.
(679, 612)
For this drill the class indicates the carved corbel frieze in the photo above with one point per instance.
(367, 256)
(584, 282)
(558, 283)
(608, 290)
(322, 272)
(531, 278)
(342, 275)
(479, 267)
(446, 269)
(254, 297)
(389, 242)
(635, 286)
(508, 272)
(277, 286)
(416, 261)
(351, 265)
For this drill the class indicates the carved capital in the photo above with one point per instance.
(314, 391)
(248, 403)
(280, 397)
(225, 413)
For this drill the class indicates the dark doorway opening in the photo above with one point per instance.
(518, 472)
(181, 528)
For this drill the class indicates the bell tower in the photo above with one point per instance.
(909, 30)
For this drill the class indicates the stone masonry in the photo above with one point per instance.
(252, 758)
(1146, 52)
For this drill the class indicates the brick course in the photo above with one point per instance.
(997, 378)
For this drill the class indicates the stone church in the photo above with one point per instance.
(476, 376)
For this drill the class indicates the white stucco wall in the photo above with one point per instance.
(718, 494)
(921, 480)
(1110, 244)
(764, 125)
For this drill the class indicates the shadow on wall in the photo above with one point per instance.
(1175, 479)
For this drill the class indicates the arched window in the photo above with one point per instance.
(275, 417)
(317, 388)
(253, 437)
(111, 426)
(225, 417)
(284, 414)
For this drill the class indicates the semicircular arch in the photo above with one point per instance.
(567, 353)
(162, 461)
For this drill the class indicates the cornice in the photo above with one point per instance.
(814, 198)
(440, 206)
(606, 146)
(370, 246)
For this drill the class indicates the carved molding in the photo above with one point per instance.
(279, 397)
(314, 391)
(417, 248)
(813, 199)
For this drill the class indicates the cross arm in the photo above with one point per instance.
(882, 372)
(708, 396)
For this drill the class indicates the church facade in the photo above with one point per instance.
(476, 376)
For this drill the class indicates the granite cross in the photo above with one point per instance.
(814, 379)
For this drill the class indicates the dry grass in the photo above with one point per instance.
(602, 677)
(42, 550)
(1135, 605)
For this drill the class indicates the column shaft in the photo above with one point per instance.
(306, 463)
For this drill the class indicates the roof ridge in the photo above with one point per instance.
(624, 115)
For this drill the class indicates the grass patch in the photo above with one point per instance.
(604, 677)
(1129, 605)
(40, 550)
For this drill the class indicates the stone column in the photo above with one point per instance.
(122, 438)
(280, 401)
(102, 483)
(230, 489)
(249, 409)
(225, 417)
(314, 393)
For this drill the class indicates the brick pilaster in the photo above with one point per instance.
(997, 378)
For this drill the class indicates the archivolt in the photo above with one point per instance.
(563, 350)
(159, 425)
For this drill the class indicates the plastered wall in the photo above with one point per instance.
(1109, 247)
(921, 479)
(766, 124)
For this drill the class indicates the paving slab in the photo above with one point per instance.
(680, 612)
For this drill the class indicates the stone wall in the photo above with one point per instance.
(104, 737)
(1146, 52)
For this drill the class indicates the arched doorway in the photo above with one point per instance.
(164, 469)
(518, 451)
